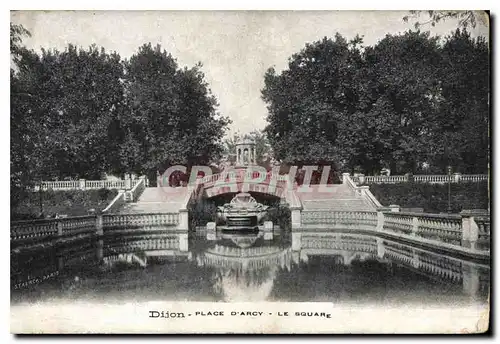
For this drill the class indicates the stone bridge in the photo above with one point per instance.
(243, 180)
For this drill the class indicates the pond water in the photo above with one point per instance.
(264, 266)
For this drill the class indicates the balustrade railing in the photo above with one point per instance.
(443, 228)
(340, 217)
(419, 178)
(36, 230)
(239, 177)
(82, 184)
(483, 224)
(398, 223)
(28, 232)
(447, 228)
(74, 226)
(138, 188)
(139, 220)
(473, 177)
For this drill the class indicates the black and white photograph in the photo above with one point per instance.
(250, 171)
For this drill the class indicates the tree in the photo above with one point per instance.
(171, 115)
(404, 92)
(73, 97)
(403, 103)
(465, 19)
(464, 111)
(22, 128)
(311, 101)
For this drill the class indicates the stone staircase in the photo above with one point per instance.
(338, 198)
(157, 200)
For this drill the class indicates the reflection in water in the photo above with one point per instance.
(274, 266)
(244, 265)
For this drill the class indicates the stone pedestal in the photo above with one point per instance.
(470, 282)
(296, 241)
(296, 217)
(183, 219)
(99, 226)
(183, 242)
(344, 178)
(470, 230)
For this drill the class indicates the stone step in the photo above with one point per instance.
(163, 194)
(151, 207)
(331, 191)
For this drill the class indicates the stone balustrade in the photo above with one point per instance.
(33, 230)
(82, 184)
(468, 230)
(163, 242)
(240, 177)
(24, 232)
(139, 220)
(419, 178)
(138, 189)
(340, 218)
(445, 228)
(116, 203)
(76, 226)
(361, 191)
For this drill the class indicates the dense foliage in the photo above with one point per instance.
(411, 102)
(80, 113)
(433, 198)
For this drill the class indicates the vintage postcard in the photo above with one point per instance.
(251, 172)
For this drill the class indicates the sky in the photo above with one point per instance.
(235, 47)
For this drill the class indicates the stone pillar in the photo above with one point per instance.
(60, 263)
(380, 220)
(380, 248)
(456, 177)
(183, 242)
(59, 228)
(361, 178)
(99, 226)
(296, 217)
(470, 230)
(128, 183)
(296, 241)
(99, 250)
(82, 184)
(183, 220)
(414, 228)
(344, 178)
(470, 281)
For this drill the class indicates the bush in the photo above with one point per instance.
(433, 197)
(202, 212)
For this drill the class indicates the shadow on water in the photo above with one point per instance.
(273, 265)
